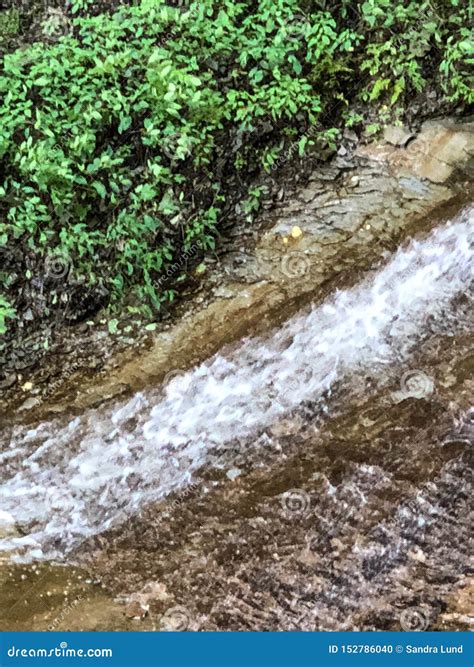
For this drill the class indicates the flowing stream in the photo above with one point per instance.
(64, 481)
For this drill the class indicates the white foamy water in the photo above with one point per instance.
(62, 483)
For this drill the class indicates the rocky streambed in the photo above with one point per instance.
(314, 477)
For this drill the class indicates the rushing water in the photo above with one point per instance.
(62, 482)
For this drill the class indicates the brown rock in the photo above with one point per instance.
(29, 404)
(418, 555)
(153, 590)
(462, 601)
(439, 149)
(308, 558)
(136, 610)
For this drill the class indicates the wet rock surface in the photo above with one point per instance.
(46, 597)
(352, 519)
(356, 523)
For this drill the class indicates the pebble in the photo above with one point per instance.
(418, 555)
(397, 136)
(233, 473)
(308, 558)
(29, 404)
(8, 382)
(154, 590)
(137, 610)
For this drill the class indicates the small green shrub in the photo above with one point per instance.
(6, 312)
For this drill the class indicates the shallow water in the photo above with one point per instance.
(62, 482)
(326, 522)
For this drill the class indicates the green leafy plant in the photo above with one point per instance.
(252, 203)
(6, 312)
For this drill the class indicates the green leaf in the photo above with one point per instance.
(100, 189)
(125, 123)
(112, 326)
(41, 81)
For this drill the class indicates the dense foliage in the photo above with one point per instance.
(120, 140)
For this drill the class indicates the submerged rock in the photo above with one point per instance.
(7, 526)
(29, 404)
